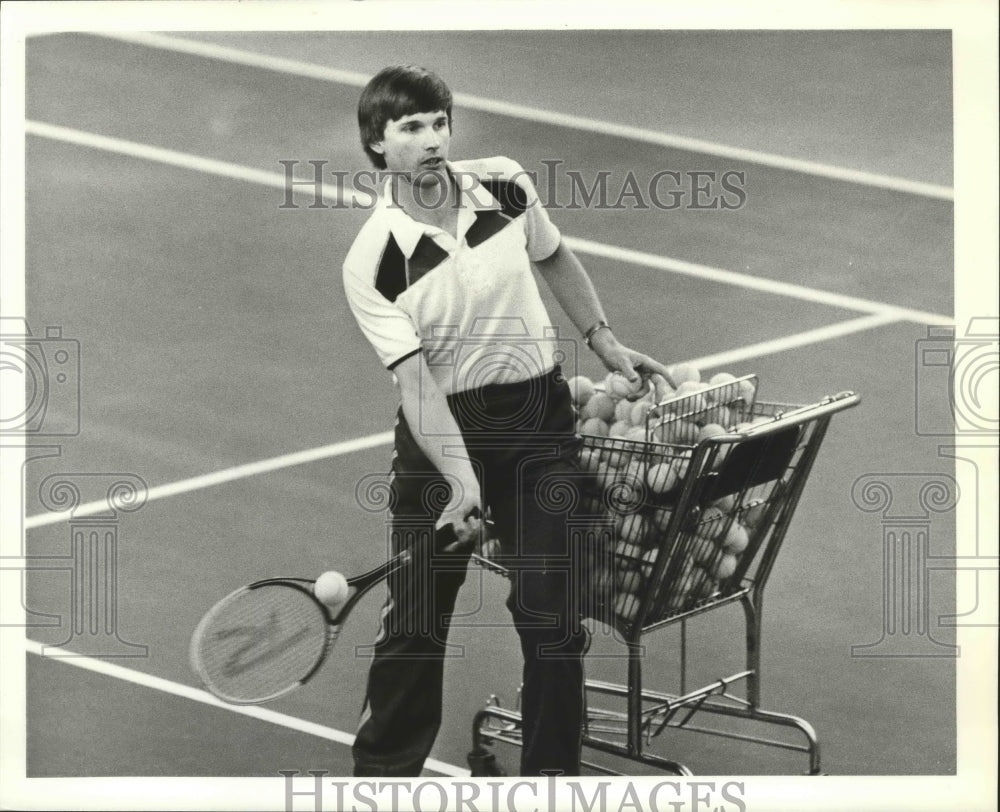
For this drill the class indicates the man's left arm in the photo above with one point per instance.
(573, 289)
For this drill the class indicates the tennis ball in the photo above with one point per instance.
(630, 580)
(683, 432)
(725, 503)
(710, 430)
(617, 457)
(633, 475)
(627, 554)
(626, 606)
(662, 390)
(591, 506)
(636, 434)
(605, 474)
(582, 389)
(618, 429)
(635, 529)
(594, 426)
(684, 372)
(618, 386)
(736, 539)
(331, 588)
(661, 478)
(755, 514)
(693, 393)
(661, 518)
(623, 412)
(680, 464)
(639, 411)
(747, 391)
(703, 550)
(711, 523)
(602, 584)
(720, 378)
(722, 415)
(589, 460)
(725, 567)
(599, 405)
(703, 585)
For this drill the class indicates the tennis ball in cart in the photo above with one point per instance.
(623, 412)
(725, 567)
(594, 426)
(627, 606)
(661, 478)
(630, 580)
(581, 388)
(331, 588)
(661, 518)
(635, 529)
(736, 539)
(618, 386)
(683, 373)
(601, 405)
(720, 378)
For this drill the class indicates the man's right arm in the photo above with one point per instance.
(434, 428)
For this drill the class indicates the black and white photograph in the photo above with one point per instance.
(671, 486)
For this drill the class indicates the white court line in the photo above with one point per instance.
(742, 280)
(222, 476)
(197, 695)
(790, 342)
(277, 180)
(534, 114)
(184, 160)
(385, 438)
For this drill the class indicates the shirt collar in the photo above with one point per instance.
(473, 197)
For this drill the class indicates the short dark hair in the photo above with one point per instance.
(394, 92)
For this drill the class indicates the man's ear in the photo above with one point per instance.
(378, 147)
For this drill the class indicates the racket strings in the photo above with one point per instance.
(262, 642)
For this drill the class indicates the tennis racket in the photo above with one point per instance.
(267, 638)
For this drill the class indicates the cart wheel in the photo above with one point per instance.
(484, 763)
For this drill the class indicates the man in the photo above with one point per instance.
(440, 282)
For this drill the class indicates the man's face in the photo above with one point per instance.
(416, 146)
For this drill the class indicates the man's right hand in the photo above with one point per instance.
(466, 518)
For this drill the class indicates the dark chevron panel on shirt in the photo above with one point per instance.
(390, 279)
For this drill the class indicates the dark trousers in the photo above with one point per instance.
(522, 443)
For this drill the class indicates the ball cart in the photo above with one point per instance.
(670, 523)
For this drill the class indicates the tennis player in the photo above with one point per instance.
(440, 281)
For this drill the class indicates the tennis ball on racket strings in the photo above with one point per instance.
(331, 588)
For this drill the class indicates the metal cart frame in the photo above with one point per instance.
(759, 472)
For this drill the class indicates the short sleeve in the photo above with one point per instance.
(542, 235)
(387, 327)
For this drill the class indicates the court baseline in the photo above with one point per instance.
(583, 246)
(356, 79)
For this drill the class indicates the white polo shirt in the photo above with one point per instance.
(470, 304)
